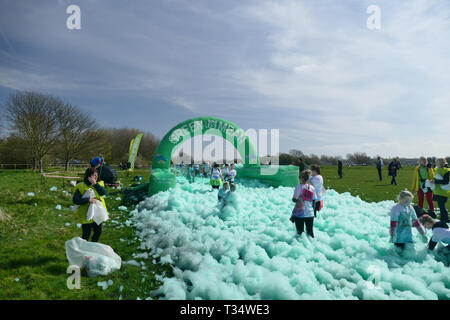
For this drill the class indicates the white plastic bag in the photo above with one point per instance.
(429, 184)
(97, 258)
(97, 212)
(89, 194)
(445, 187)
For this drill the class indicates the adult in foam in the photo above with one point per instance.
(441, 192)
(422, 173)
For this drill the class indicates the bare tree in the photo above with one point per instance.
(359, 158)
(2, 121)
(296, 153)
(33, 117)
(76, 131)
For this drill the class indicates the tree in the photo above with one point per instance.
(312, 159)
(296, 153)
(2, 122)
(329, 160)
(76, 131)
(14, 150)
(359, 158)
(286, 159)
(33, 117)
(114, 144)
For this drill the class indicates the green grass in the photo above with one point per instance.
(364, 182)
(32, 237)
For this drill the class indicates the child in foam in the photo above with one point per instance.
(225, 188)
(197, 169)
(303, 212)
(206, 169)
(403, 218)
(216, 177)
(191, 173)
(232, 174)
(226, 172)
(441, 232)
(317, 182)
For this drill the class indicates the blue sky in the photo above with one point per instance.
(309, 68)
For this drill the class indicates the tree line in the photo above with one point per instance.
(357, 158)
(38, 128)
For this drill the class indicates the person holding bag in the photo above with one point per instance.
(90, 181)
(422, 173)
(442, 190)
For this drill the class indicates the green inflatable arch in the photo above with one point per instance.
(162, 179)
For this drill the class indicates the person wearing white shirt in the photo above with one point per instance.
(317, 182)
(232, 173)
(303, 212)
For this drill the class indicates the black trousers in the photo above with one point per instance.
(400, 245)
(441, 204)
(380, 175)
(87, 229)
(300, 225)
(340, 174)
(393, 180)
(316, 206)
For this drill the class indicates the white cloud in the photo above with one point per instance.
(310, 68)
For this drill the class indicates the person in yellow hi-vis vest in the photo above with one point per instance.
(90, 181)
(441, 194)
(422, 173)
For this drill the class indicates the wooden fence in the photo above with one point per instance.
(72, 167)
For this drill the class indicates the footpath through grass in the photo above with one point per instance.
(33, 233)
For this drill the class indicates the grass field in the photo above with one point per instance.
(364, 181)
(32, 234)
(32, 238)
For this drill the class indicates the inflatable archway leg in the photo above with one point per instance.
(161, 180)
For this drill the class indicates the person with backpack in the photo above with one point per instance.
(422, 173)
(441, 191)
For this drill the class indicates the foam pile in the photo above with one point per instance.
(248, 249)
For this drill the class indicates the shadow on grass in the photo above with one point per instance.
(57, 269)
(22, 261)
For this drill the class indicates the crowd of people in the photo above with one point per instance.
(221, 177)
(430, 182)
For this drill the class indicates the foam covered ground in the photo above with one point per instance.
(249, 249)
